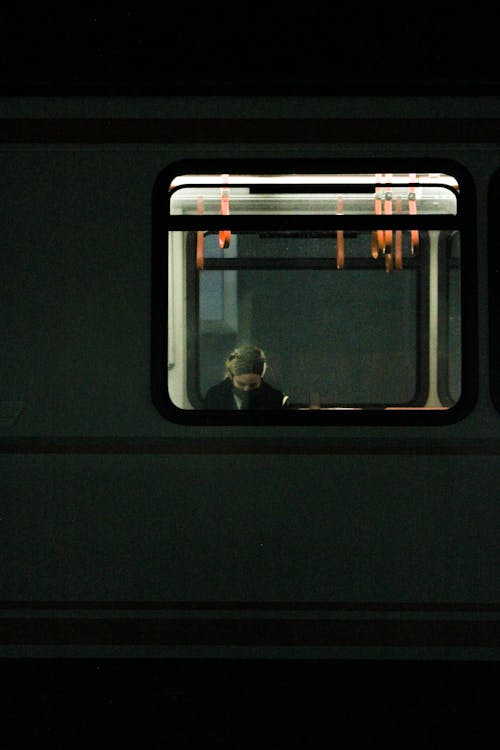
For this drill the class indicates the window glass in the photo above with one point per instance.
(320, 337)
(348, 286)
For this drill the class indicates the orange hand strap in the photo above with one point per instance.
(398, 239)
(388, 212)
(224, 234)
(412, 208)
(378, 244)
(340, 235)
(388, 232)
(200, 240)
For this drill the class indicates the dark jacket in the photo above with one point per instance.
(220, 396)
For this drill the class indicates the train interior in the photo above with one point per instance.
(350, 318)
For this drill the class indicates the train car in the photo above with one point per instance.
(353, 241)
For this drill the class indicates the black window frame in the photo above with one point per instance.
(464, 220)
(494, 288)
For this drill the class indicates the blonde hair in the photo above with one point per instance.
(244, 360)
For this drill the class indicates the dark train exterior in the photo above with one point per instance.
(125, 531)
(228, 577)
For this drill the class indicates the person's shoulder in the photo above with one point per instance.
(273, 396)
(279, 399)
(215, 393)
(213, 388)
(270, 388)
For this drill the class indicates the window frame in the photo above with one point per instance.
(163, 223)
(494, 288)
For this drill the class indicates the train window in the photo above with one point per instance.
(349, 283)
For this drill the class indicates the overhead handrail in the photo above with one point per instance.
(224, 234)
(387, 199)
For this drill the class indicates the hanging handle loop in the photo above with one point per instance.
(398, 238)
(412, 208)
(200, 240)
(388, 232)
(377, 243)
(224, 234)
(340, 235)
(388, 211)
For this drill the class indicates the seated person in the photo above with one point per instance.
(243, 386)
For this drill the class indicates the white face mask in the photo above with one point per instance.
(243, 397)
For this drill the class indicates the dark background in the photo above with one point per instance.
(160, 703)
(229, 49)
(219, 48)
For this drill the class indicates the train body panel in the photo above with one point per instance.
(110, 507)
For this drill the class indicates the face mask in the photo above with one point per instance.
(243, 386)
